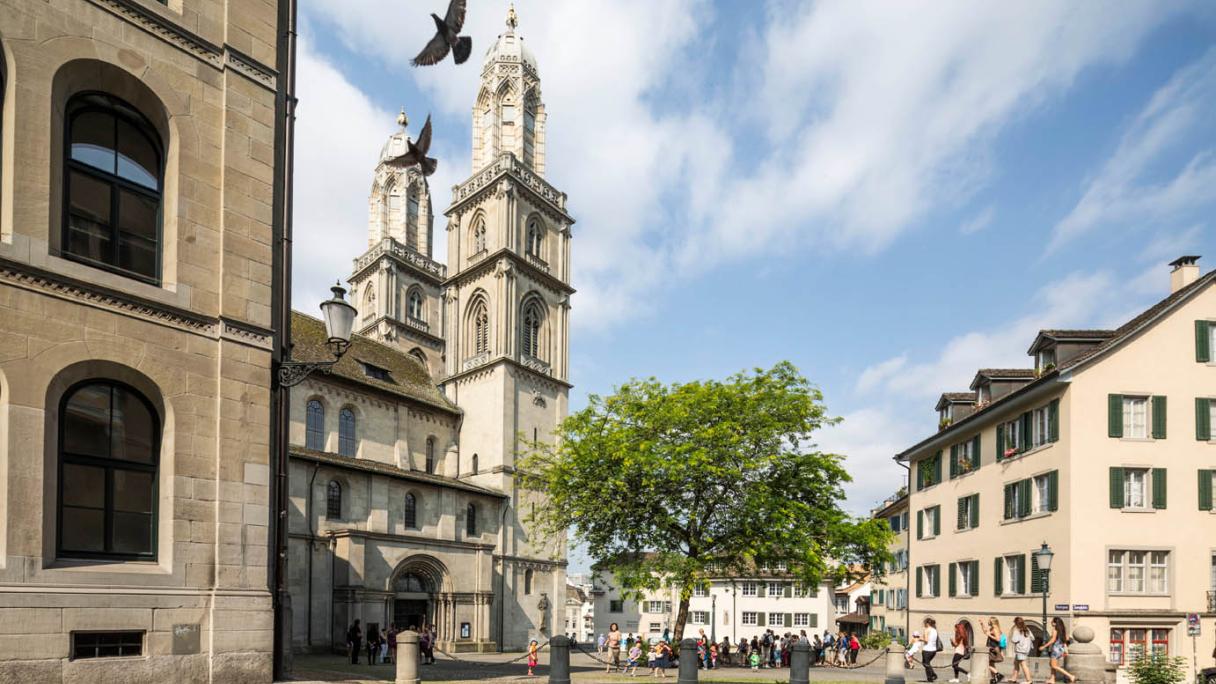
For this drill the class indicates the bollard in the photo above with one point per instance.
(688, 662)
(980, 659)
(895, 665)
(800, 663)
(559, 660)
(407, 658)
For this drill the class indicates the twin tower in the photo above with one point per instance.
(492, 326)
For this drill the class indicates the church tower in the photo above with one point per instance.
(396, 284)
(507, 311)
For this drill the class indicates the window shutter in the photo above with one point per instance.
(998, 576)
(1009, 502)
(1202, 353)
(1203, 419)
(1024, 503)
(953, 582)
(937, 581)
(1021, 574)
(962, 513)
(1205, 490)
(954, 461)
(920, 582)
(1053, 490)
(1159, 488)
(1114, 415)
(1159, 414)
(1036, 577)
(937, 467)
(975, 578)
(920, 525)
(759, 619)
(1000, 443)
(920, 475)
(1116, 488)
(761, 588)
(788, 589)
(1027, 425)
(1053, 421)
(789, 619)
(975, 453)
(937, 521)
(975, 511)
(814, 619)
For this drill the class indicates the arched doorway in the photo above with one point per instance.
(415, 586)
(968, 629)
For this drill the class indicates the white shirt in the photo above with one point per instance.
(931, 640)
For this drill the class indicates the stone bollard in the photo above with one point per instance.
(1085, 660)
(559, 660)
(895, 665)
(407, 658)
(980, 660)
(688, 662)
(800, 663)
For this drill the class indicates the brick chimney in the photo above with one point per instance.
(1186, 271)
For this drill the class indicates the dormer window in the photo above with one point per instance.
(983, 394)
(1046, 359)
(376, 372)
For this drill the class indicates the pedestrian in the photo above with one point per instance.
(373, 645)
(914, 647)
(614, 648)
(933, 644)
(1022, 644)
(432, 638)
(817, 651)
(354, 642)
(962, 651)
(599, 645)
(713, 656)
(755, 660)
(996, 649)
(1057, 649)
(383, 646)
(662, 659)
(533, 657)
(854, 648)
(635, 654)
(724, 650)
(392, 642)
(667, 636)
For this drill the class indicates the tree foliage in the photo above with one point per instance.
(1157, 668)
(668, 485)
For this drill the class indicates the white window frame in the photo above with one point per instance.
(1013, 566)
(1135, 407)
(749, 589)
(1039, 427)
(1015, 496)
(774, 589)
(1132, 571)
(1041, 486)
(1158, 573)
(963, 590)
(1130, 487)
(700, 590)
(928, 580)
(699, 617)
(1013, 437)
(802, 619)
(655, 627)
(967, 502)
(774, 618)
(749, 618)
(930, 521)
(654, 607)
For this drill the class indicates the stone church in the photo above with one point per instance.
(404, 505)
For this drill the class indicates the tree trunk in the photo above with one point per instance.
(681, 617)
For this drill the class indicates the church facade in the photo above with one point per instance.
(404, 506)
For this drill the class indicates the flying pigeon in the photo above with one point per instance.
(446, 39)
(417, 152)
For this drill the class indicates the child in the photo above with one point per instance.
(635, 654)
(533, 652)
(913, 649)
(713, 656)
(754, 658)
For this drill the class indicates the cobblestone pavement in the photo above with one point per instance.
(491, 667)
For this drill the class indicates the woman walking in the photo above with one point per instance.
(1022, 644)
(614, 648)
(962, 651)
(1057, 648)
(932, 646)
(996, 649)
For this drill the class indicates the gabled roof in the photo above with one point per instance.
(1122, 334)
(1068, 336)
(955, 398)
(1002, 374)
(378, 468)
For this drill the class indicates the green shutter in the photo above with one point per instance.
(975, 511)
(1053, 490)
(1053, 421)
(759, 619)
(762, 590)
(1114, 415)
(1205, 490)
(1116, 488)
(1202, 353)
(937, 581)
(937, 521)
(920, 582)
(975, 453)
(998, 576)
(975, 578)
(1203, 419)
(1024, 502)
(953, 461)
(1159, 414)
(1027, 426)
(789, 590)
(1036, 577)
(1009, 501)
(962, 513)
(952, 583)
(814, 619)
(920, 525)
(1021, 574)
(1159, 488)
(937, 467)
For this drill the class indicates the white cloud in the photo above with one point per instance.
(978, 222)
(870, 438)
(1127, 191)
(877, 374)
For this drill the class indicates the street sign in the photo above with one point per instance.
(1061, 606)
(1080, 607)
(1192, 624)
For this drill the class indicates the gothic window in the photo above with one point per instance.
(411, 218)
(346, 432)
(470, 521)
(112, 187)
(333, 500)
(314, 426)
(474, 464)
(479, 236)
(430, 455)
(527, 582)
(411, 512)
(394, 206)
(531, 330)
(109, 452)
(369, 304)
(487, 133)
(530, 129)
(480, 327)
(535, 238)
(414, 308)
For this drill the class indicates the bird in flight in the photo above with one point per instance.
(416, 152)
(446, 38)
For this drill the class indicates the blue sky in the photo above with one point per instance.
(891, 195)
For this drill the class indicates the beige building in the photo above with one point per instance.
(889, 593)
(139, 179)
(1103, 450)
(404, 504)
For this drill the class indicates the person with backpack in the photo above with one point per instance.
(933, 644)
(962, 651)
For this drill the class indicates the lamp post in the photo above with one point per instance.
(713, 617)
(1043, 556)
(339, 318)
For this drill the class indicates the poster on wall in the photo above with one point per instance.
(466, 630)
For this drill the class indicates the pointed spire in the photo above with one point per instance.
(402, 120)
(512, 19)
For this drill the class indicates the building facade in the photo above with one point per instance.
(889, 596)
(140, 172)
(1104, 451)
(733, 607)
(405, 505)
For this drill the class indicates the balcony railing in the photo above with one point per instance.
(507, 163)
(537, 261)
(396, 249)
(417, 324)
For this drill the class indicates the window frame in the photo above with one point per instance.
(1041, 495)
(1014, 571)
(749, 589)
(1130, 402)
(1146, 566)
(309, 430)
(470, 522)
(753, 622)
(348, 443)
(1145, 486)
(330, 499)
(409, 514)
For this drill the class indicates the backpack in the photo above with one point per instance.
(1004, 643)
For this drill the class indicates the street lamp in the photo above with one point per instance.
(1043, 557)
(339, 318)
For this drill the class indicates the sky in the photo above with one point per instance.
(889, 195)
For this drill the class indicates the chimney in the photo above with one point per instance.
(1186, 271)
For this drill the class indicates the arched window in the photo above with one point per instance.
(470, 522)
(411, 512)
(314, 426)
(417, 354)
(112, 187)
(333, 500)
(527, 582)
(480, 330)
(414, 309)
(479, 236)
(531, 330)
(430, 455)
(346, 432)
(109, 452)
(369, 303)
(475, 459)
(535, 238)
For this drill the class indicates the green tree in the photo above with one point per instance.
(1157, 668)
(668, 485)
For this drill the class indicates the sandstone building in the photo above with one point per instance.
(404, 505)
(139, 207)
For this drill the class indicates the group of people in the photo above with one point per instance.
(381, 645)
(928, 644)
